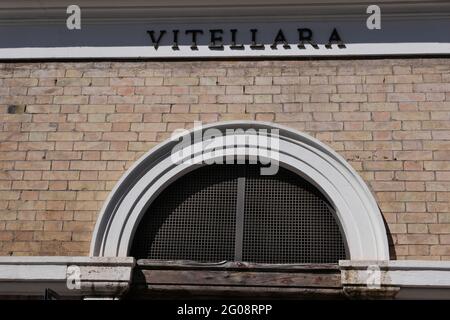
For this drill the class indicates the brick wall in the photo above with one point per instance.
(78, 126)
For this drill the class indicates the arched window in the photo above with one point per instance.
(311, 175)
(232, 212)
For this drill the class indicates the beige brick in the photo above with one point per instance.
(392, 206)
(355, 135)
(417, 228)
(77, 226)
(438, 186)
(396, 228)
(124, 117)
(64, 136)
(179, 117)
(71, 100)
(87, 165)
(444, 239)
(351, 116)
(440, 250)
(432, 87)
(181, 81)
(96, 145)
(437, 165)
(32, 165)
(293, 117)
(75, 246)
(411, 175)
(235, 99)
(236, 81)
(52, 236)
(415, 207)
(235, 116)
(404, 78)
(285, 80)
(24, 225)
(22, 246)
(39, 126)
(97, 108)
(54, 215)
(119, 136)
(405, 97)
(439, 228)
(48, 73)
(436, 124)
(57, 195)
(413, 155)
(382, 145)
(30, 185)
(410, 115)
(348, 97)
(418, 250)
(60, 175)
(204, 108)
(417, 239)
(415, 196)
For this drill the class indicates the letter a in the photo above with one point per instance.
(73, 21)
(374, 20)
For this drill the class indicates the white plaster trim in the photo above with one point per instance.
(109, 278)
(352, 49)
(357, 210)
(65, 260)
(416, 279)
(99, 276)
(35, 272)
(397, 265)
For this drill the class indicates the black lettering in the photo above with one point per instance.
(335, 39)
(280, 39)
(175, 40)
(254, 45)
(194, 38)
(156, 41)
(233, 45)
(305, 37)
(216, 42)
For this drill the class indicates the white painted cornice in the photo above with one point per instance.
(31, 276)
(414, 279)
(111, 277)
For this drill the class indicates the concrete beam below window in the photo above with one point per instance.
(414, 279)
(112, 278)
(67, 277)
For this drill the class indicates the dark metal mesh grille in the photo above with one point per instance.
(287, 220)
(193, 219)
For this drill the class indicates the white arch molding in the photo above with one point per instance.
(356, 209)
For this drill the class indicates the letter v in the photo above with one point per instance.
(152, 36)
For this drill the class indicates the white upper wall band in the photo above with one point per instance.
(352, 49)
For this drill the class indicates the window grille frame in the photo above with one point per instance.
(242, 175)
